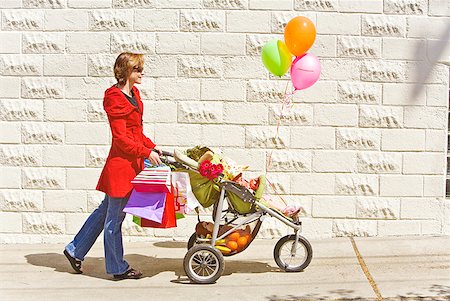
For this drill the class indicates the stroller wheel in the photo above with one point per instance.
(192, 240)
(290, 259)
(203, 264)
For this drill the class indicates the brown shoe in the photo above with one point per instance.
(130, 274)
(76, 264)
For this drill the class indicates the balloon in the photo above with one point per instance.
(276, 57)
(299, 35)
(305, 71)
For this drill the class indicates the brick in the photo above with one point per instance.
(63, 156)
(13, 110)
(76, 133)
(65, 65)
(245, 113)
(11, 4)
(420, 208)
(88, 42)
(424, 163)
(434, 186)
(324, 46)
(226, 4)
(82, 178)
(179, 89)
(265, 91)
(386, 228)
(42, 133)
(380, 116)
(313, 137)
(224, 90)
(383, 71)
(39, 42)
(402, 140)
(439, 8)
(95, 111)
(10, 132)
(429, 28)
(356, 184)
(87, 87)
(383, 26)
(178, 134)
(238, 21)
(10, 177)
(133, 3)
(299, 114)
(317, 228)
(321, 92)
(335, 115)
(160, 66)
(13, 45)
(19, 155)
(430, 227)
(22, 20)
(243, 156)
(436, 73)
(436, 140)
(244, 67)
(359, 47)
(133, 42)
(11, 222)
(94, 198)
(200, 112)
(425, 118)
(279, 20)
(65, 201)
(255, 42)
(403, 94)
(43, 223)
(286, 160)
(42, 87)
(59, 110)
(317, 5)
(267, 137)
(96, 155)
(340, 69)
(202, 20)
(334, 161)
(89, 4)
(312, 183)
(200, 66)
(44, 3)
(437, 95)
(404, 49)
(21, 200)
(17, 65)
(220, 135)
(179, 4)
(379, 162)
(401, 185)
(177, 43)
(111, 20)
(405, 7)
(161, 20)
(361, 6)
(43, 178)
(9, 87)
(74, 222)
(271, 4)
(66, 19)
(350, 227)
(161, 112)
(334, 23)
(380, 208)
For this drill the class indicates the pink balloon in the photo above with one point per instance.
(305, 71)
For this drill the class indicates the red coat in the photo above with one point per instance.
(129, 145)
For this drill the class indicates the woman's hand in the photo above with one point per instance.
(154, 158)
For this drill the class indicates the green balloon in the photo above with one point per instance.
(276, 57)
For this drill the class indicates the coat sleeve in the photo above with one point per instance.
(126, 144)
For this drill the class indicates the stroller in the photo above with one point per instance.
(237, 216)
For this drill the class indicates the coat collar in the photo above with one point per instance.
(136, 95)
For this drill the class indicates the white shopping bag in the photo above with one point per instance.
(185, 200)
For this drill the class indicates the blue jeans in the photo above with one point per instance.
(109, 217)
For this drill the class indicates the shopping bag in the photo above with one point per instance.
(149, 205)
(185, 201)
(153, 179)
(168, 219)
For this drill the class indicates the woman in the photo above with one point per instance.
(129, 148)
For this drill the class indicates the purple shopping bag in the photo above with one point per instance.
(149, 205)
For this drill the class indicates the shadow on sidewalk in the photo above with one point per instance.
(148, 265)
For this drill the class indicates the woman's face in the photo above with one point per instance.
(136, 75)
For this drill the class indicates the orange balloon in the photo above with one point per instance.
(299, 35)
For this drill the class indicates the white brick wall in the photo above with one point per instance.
(363, 150)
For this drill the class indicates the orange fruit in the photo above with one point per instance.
(242, 242)
(232, 245)
(234, 236)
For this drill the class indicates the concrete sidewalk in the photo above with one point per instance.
(395, 268)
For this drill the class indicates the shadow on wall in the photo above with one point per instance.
(433, 55)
